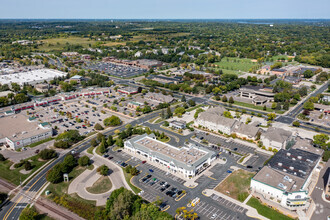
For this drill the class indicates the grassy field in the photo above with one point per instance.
(266, 211)
(73, 202)
(102, 185)
(15, 176)
(233, 65)
(59, 43)
(237, 184)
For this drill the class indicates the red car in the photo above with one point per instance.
(144, 161)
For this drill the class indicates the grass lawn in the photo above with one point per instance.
(193, 108)
(40, 142)
(233, 65)
(90, 150)
(159, 120)
(14, 176)
(266, 211)
(102, 185)
(166, 139)
(59, 43)
(73, 202)
(128, 177)
(257, 107)
(237, 184)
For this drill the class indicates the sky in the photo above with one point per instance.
(164, 9)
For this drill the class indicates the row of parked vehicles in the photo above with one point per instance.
(173, 192)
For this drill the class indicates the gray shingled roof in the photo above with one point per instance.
(246, 129)
(217, 119)
(277, 134)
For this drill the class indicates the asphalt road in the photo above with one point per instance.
(322, 209)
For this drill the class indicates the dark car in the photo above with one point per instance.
(167, 186)
(161, 183)
(162, 189)
(148, 176)
(249, 167)
(37, 151)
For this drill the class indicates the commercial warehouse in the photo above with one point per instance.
(18, 131)
(187, 161)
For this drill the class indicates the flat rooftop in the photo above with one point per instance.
(33, 76)
(279, 179)
(184, 154)
(296, 162)
(17, 127)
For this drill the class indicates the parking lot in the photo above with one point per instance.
(122, 71)
(80, 115)
(208, 210)
(256, 161)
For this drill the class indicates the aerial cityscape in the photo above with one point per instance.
(164, 115)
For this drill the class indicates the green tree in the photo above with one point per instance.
(84, 161)
(320, 140)
(309, 106)
(47, 154)
(179, 111)
(94, 142)
(2, 158)
(271, 116)
(183, 98)
(231, 100)
(169, 112)
(55, 174)
(224, 98)
(227, 114)
(27, 165)
(296, 123)
(103, 170)
(29, 214)
(112, 121)
(98, 127)
(191, 102)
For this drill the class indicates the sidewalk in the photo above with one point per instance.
(252, 212)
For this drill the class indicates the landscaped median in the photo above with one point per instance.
(181, 196)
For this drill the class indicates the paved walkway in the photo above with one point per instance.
(252, 212)
(89, 177)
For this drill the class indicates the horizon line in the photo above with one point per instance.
(164, 18)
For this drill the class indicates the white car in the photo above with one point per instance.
(214, 216)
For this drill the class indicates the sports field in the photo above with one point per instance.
(235, 65)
